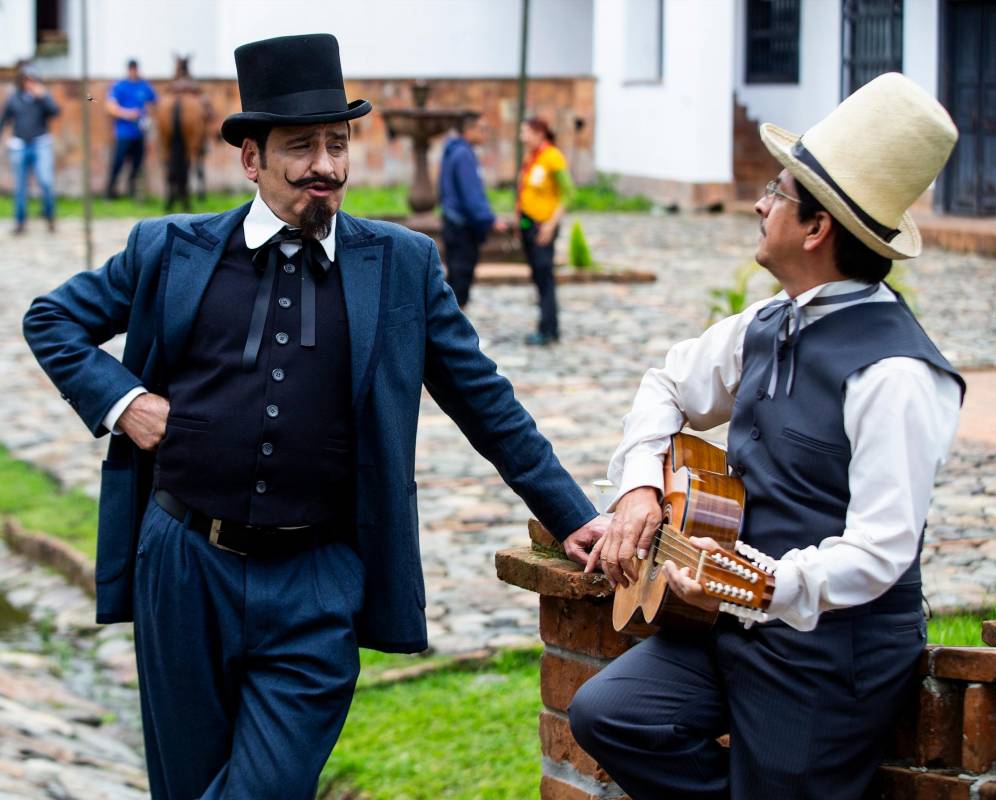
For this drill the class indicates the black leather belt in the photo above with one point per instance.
(247, 540)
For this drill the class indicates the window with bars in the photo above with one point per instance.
(872, 41)
(644, 41)
(772, 41)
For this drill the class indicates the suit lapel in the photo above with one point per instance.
(190, 256)
(362, 259)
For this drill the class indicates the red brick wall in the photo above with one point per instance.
(568, 103)
(943, 747)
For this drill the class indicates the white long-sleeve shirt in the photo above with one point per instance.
(900, 417)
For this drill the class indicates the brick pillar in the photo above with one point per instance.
(945, 742)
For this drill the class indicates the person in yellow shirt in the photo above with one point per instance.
(544, 188)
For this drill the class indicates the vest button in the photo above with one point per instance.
(284, 302)
(738, 470)
(260, 487)
(267, 449)
(278, 374)
(759, 394)
(755, 433)
(282, 338)
(289, 269)
(272, 411)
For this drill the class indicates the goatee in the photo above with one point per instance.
(316, 219)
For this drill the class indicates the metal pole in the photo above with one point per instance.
(523, 52)
(85, 100)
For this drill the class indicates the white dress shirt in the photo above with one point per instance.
(900, 417)
(259, 225)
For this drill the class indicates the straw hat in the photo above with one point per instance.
(871, 158)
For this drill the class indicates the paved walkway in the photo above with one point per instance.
(68, 706)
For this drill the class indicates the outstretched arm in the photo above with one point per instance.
(466, 385)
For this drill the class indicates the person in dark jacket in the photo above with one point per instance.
(28, 110)
(259, 511)
(467, 217)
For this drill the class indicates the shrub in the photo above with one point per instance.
(579, 254)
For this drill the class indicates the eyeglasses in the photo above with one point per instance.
(772, 189)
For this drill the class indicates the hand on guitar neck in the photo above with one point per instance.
(682, 582)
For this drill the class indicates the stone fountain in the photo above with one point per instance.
(422, 124)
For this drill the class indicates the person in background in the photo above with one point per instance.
(128, 102)
(467, 217)
(544, 188)
(29, 110)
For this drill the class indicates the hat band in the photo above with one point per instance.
(884, 232)
(316, 101)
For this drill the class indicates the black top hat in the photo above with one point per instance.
(290, 80)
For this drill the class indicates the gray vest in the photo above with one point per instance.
(791, 451)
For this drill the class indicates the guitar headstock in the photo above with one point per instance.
(741, 580)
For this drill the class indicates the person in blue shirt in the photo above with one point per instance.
(467, 217)
(128, 102)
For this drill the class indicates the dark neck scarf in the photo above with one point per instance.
(314, 264)
(787, 333)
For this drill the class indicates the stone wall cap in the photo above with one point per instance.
(552, 577)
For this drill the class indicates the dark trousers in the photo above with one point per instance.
(246, 665)
(807, 713)
(132, 150)
(540, 258)
(462, 251)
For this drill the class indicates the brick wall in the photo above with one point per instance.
(943, 749)
(568, 103)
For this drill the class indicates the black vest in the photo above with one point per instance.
(271, 446)
(792, 452)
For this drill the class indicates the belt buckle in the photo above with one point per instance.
(213, 538)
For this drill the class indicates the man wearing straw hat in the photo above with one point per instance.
(841, 411)
(258, 518)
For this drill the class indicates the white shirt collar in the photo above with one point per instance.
(834, 288)
(261, 223)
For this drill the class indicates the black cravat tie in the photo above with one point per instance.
(788, 329)
(314, 263)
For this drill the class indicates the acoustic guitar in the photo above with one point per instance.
(700, 499)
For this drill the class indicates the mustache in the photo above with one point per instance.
(318, 181)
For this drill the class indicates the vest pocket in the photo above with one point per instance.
(814, 444)
(187, 423)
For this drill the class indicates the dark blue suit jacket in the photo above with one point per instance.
(405, 330)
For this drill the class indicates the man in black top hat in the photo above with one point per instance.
(258, 516)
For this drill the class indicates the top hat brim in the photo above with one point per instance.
(237, 127)
(907, 244)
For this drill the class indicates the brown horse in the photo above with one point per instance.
(182, 119)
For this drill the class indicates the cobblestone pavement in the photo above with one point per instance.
(578, 391)
(68, 705)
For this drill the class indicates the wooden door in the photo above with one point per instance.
(970, 177)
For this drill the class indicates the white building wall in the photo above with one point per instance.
(921, 34)
(682, 128)
(17, 31)
(378, 38)
(797, 106)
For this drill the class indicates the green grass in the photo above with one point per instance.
(361, 201)
(958, 630)
(454, 735)
(35, 500)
